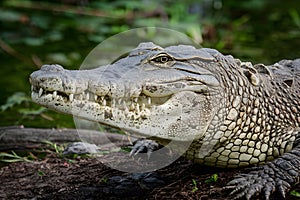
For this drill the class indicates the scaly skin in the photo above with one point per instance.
(234, 114)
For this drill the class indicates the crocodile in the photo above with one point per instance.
(233, 113)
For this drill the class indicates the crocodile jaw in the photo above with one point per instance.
(141, 116)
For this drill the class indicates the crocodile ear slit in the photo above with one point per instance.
(261, 68)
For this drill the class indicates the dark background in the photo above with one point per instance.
(65, 31)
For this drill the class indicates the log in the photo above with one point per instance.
(16, 137)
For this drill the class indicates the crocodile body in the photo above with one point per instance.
(233, 114)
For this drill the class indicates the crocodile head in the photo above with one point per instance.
(167, 93)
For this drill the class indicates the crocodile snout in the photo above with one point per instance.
(52, 68)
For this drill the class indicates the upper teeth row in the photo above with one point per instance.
(86, 96)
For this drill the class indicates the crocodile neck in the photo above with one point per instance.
(255, 119)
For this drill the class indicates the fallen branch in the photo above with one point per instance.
(18, 137)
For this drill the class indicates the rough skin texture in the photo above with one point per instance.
(231, 113)
(279, 175)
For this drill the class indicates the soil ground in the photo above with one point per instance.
(56, 177)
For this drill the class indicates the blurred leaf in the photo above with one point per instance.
(150, 22)
(9, 15)
(295, 17)
(60, 58)
(95, 38)
(34, 41)
(194, 32)
(195, 187)
(55, 36)
(28, 111)
(212, 179)
(13, 157)
(41, 173)
(16, 98)
(41, 21)
(74, 55)
(295, 193)
(118, 29)
(47, 117)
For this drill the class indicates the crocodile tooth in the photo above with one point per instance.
(113, 102)
(71, 97)
(54, 94)
(137, 108)
(102, 98)
(92, 96)
(95, 97)
(143, 114)
(124, 105)
(128, 103)
(126, 111)
(137, 116)
(32, 88)
(119, 101)
(132, 107)
(149, 100)
(143, 106)
(40, 92)
(87, 97)
(80, 97)
(104, 102)
(135, 99)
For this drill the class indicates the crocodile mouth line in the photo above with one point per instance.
(133, 108)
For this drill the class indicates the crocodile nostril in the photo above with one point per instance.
(52, 68)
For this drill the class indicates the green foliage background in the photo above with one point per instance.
(64, 31)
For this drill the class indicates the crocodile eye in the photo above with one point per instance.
(162, 59)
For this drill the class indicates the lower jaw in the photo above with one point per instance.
(150, 122)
